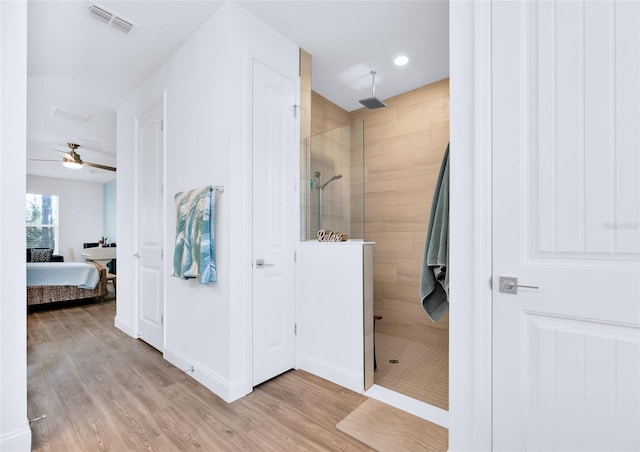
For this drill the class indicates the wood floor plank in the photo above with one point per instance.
(102, 390)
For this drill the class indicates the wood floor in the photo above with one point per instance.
(102, 390)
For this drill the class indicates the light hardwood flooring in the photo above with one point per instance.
(102, 390)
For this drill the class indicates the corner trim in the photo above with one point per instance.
(335, 374)
(228, 391)
(125, 327)
(18, 440)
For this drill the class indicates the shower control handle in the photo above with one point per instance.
(260, 263)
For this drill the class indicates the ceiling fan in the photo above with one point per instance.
(71, 159)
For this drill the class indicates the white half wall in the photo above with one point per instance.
(206, 85)
(330, 310)
(80, 211)
(15, 434)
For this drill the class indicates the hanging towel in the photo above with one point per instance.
(194, 255)
(434, 281)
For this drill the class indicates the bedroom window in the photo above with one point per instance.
(42, 221)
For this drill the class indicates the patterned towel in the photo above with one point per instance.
(194, 255)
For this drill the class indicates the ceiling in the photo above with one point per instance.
(81, 65)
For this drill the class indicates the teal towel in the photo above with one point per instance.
(194, 255)
(434, 281)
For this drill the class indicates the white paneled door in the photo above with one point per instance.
(149, 222)
(274, 222)
(566, 202)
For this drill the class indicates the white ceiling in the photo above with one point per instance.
(80, 64)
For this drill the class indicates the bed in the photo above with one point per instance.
(65, 281)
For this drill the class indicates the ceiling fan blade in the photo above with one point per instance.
(97, 165)
(44, 160)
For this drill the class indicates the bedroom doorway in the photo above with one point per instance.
(149, 225)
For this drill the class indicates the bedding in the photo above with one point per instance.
(84, 276)
(50, 293)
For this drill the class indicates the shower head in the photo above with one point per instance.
(336, 177)
(372, 102)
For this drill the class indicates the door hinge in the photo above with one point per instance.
(295, 329)
(162, 319)
(161, 254)
(162, 124)
(491, 282)
(295, 256)
(295, 110)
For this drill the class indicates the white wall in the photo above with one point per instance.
(15, 434)
(207, 88)
(110, 208)
(80, 211)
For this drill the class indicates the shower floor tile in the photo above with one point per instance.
(422, 372)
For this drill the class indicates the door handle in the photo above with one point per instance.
(138, 254)
(509, 284)
(260, 263)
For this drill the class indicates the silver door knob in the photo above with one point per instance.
(509, 284)
(260, 263)
(138, 254)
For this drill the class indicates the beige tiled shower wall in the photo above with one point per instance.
(404, 145)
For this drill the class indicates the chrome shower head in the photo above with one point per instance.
(336, 177)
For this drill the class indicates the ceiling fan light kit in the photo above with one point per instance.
(72, 164)
(72, 159)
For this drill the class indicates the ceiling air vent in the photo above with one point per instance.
(102, 14)
(123, 25)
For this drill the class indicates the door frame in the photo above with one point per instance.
(293, 206)
(290, 202)
(470, 327)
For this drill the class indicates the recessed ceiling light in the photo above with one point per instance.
(401, 60)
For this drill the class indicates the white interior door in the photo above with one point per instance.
(150, 229)
(273, 223)
(566, 202)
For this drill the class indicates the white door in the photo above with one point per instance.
(150, 158)
(566, 203)
(274, 222)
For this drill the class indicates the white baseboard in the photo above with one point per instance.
(335, 374)
(402, 402)
(125, 327)
(16, 441)
(223, 388)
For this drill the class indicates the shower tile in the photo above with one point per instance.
(421, 373)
